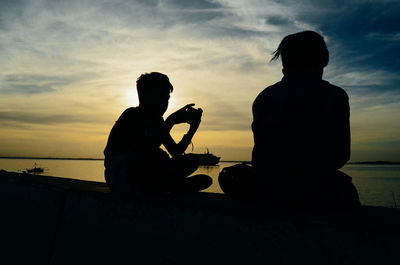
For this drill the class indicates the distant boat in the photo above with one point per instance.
(35, 170)
(208, 159)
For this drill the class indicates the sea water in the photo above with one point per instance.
(377, 185)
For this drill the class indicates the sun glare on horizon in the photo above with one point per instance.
(68, 71)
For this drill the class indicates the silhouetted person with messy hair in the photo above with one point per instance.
(134, 160)
(301, 135)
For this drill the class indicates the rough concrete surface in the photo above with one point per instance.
(46, 220)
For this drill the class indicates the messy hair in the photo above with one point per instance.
(306, 49)
(151, 82)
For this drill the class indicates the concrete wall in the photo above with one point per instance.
(61, 222)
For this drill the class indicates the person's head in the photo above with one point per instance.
(153, 92)
(304, 51)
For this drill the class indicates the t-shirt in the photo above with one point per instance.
(300, 124)
(137, 135)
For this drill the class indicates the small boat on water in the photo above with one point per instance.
(208, 159)
(35, 169)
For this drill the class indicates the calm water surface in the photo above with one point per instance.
(378, 185)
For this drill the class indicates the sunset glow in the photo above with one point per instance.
(68, 68)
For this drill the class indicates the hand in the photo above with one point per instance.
(181, 115)
(194, 116)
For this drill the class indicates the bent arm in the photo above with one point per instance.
(179, 148)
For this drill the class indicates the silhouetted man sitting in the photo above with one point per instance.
(301, 135)
(134, 160)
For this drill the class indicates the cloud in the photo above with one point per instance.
(26, 89)
(38, 83)
(193, 4)
(10, 10)
(45, 118)
(75, 62)
(384, 36)
(226, 117)
(353, 77)
(278, 20)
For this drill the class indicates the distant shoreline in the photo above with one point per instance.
(374, 163)
(49, 158)
(85, 158)
(229, 161)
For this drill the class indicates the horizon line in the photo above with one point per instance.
(242, 161)
(81, 158)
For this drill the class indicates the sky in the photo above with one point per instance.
(68, 68)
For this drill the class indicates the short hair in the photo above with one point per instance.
(306, 49)
(152, 82)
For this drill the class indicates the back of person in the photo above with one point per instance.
(301, 135)
(130, 135)
(301, 123)
(134, 146)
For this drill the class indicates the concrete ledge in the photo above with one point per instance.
(60, 221)
(29, 216)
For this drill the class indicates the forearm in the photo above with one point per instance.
(184, 142)
(168, 124)
(184, 115)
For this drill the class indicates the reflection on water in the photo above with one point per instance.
(378, 185)
(92, 170)
(213, 172)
